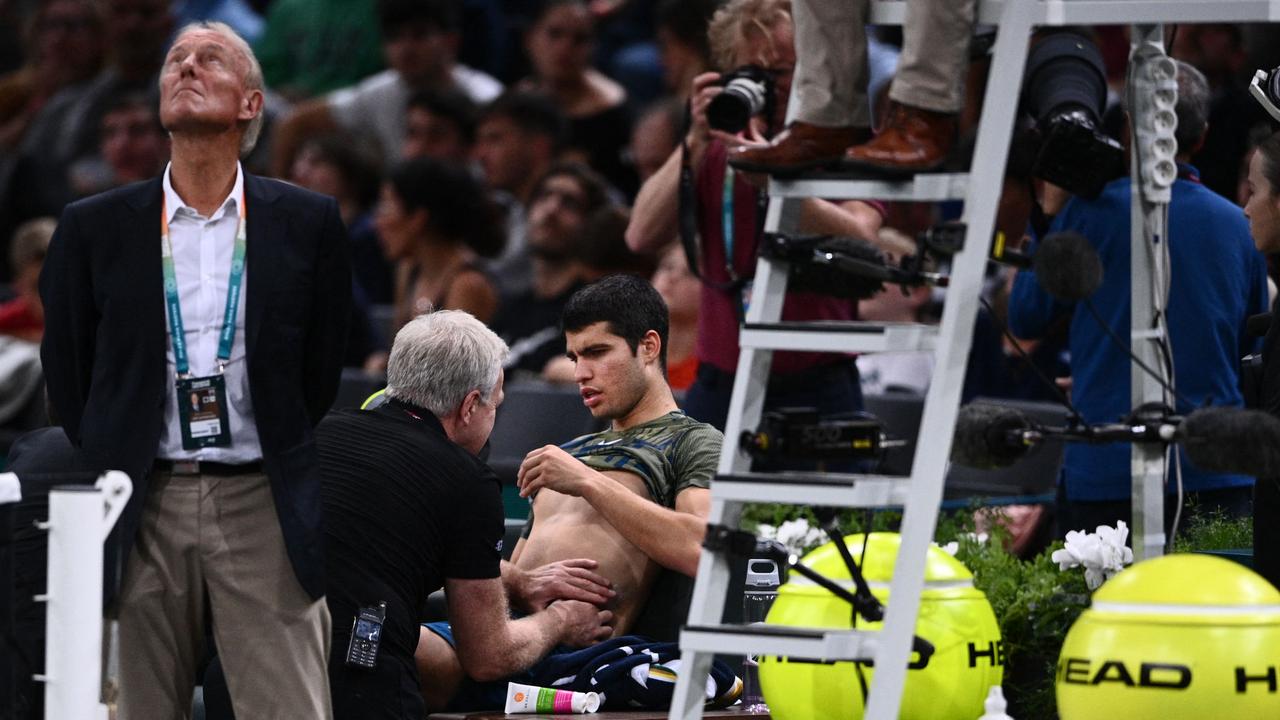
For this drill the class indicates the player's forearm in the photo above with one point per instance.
(670, 538)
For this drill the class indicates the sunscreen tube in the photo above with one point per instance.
(530, 699)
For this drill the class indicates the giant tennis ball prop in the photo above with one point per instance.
(954, 616)
(1180, 636)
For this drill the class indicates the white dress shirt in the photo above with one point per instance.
(202, 249)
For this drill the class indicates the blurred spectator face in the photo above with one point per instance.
(1263, 208)
(68, 42)
(502, 152)
(398, 228)
(420, 52)
(677, 285)
(133, 143)
(313, 172)
(27, 251)
(434, 136)
(652, 142)
(138, 30)
(559, 44)
(775, 51)
(892, 305)
(556, 214)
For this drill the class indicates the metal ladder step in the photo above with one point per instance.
(831, 489)
(808, 643)
(839, 336)
(1053, 13)
(925, 187)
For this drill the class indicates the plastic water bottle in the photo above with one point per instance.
(995, 705)
(761, 590)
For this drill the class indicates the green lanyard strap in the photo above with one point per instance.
(226, 338)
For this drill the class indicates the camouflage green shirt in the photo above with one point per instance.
(670, 453)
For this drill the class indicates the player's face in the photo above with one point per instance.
(609, 375)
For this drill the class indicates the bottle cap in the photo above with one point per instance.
(762, 573)
(995, 705)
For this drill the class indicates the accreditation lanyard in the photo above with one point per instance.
(226, 338)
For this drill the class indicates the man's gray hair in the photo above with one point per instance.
(1192, 108)
(439, 357)
(252, 76)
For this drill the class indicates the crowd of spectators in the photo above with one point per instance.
(486, 156)
(498, 157)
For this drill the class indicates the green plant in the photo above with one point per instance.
(1214, 531)
(1035, 604)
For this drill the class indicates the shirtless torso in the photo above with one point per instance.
(568, 527)
(655, 460)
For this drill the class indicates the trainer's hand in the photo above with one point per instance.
(553, 468)
(573, 579)
(582, 624)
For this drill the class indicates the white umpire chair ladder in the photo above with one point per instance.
(920, 494)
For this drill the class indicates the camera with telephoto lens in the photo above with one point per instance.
(1065, 91)
(748, 91)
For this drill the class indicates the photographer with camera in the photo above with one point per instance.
(728, 212)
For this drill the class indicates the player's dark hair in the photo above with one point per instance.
(629, 305)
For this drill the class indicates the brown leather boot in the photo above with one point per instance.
(799, 147)
(913, 140)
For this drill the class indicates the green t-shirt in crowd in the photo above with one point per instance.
(310, 47)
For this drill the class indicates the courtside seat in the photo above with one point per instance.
(532, 415)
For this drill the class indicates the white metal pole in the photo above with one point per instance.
(80, 517)
(1149, 198)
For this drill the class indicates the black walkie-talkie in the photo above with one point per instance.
(366, 634)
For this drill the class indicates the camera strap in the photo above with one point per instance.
(688, 224)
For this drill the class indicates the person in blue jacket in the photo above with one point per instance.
(1217, 281)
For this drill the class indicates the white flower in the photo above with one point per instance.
(1102, 553)
(797, 535)
(953, 547)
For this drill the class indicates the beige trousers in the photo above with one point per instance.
(831, 59)
(220, 534)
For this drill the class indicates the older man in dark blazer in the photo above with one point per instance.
(155, 367)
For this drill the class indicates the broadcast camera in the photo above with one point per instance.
(748, 91)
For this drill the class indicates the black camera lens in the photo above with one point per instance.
(731, 110)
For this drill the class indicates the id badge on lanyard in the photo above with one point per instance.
(203, 414)
(727, 232)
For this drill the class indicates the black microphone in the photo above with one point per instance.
(988, 436)
(843, 267)
(1258, 325)
(1232, 440)
(1067, 266)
